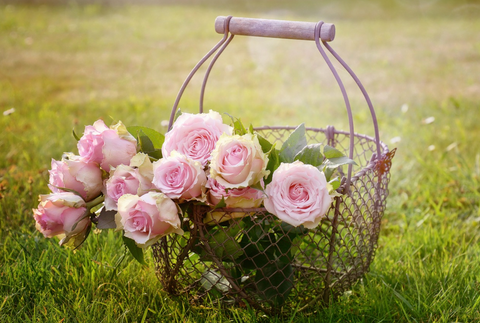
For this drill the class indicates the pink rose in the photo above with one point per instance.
(298, 195)
(58, 213)
(108, 147)
(124, 179)
(246, 197)
(179, 177)
(147, 218)
(73, 173)
(238, 161)
(195, 135)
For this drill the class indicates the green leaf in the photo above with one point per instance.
(145, 143)
(155, 137)
(310, 154)
(274, 282)
(224, 243)
(265, 144)
(293, 145)
(340, 161)
(333, 159)
(258, 186)
(106, 219)
(135, 250)
(239, 128)
(331, 152)
(220, 204)
(273, 163)
(335, 183)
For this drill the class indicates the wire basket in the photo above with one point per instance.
(213, 260)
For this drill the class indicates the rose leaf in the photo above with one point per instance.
(154, 137)
(135, 250)
(106, 219)
(265, 144)
(310, 154)
(274, 282)
(294, 144)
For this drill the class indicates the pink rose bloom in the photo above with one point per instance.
(298, 195)
(246, 197)
(74, 173)
(109, 147)
(136, 180)
(179, 177)
(147, 218)
(195, 135)
(57, 214)
(238, 161)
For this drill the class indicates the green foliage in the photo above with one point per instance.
(149, 140)
(293, 145)
(136, 251)
(310, 154)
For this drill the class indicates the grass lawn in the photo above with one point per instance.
(65, 66)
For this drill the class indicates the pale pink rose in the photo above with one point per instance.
(74, 173)
(238, 161)
(147, 218)
(108, 147)
(298, 195)
(58, 213)
(179, 177)
(136, 180)
(246, 197)
(195, 135)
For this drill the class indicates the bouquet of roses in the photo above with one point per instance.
(141, 182)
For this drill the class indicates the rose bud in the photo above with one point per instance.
(74, 173)
(62, 213)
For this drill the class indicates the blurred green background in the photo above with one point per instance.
(64, 64)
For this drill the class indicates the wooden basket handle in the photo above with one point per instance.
(274, 28)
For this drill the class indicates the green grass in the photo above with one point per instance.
(62, 67)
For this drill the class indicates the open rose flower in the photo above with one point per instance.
(62, 214)
(109, 147)
(147, 218)
(74, 173)
(195, 135)
(298, 195)
(179, 177)
(246, 197)
(135, 179)
(238, 161)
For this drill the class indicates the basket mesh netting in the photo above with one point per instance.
(248, 257)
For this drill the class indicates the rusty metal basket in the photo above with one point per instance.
(248, 258)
